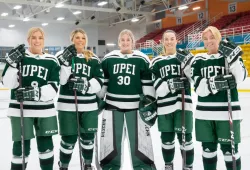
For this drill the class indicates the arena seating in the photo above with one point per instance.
(243, 19)
(157, 35)
(225, 21)
(229, 21)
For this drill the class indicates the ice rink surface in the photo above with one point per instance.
(6, 143)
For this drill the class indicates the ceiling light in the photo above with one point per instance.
(11, 26)
(134, 19)
(77, 12)
(59, 5)
(110, 44)
(44, 24)
(26, 19)
(102, 3)
(4, 14)
(60, 19)
(196, 8)
(183, 7)
(17, 7)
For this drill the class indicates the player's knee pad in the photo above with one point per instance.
(188, 137)
(226, 148)
(227, 152)
(189, 147)
(87, 141)
(88, 136)
(209, 150)
(70, 139)
(17, 148)
(44, 143)
(167, 137)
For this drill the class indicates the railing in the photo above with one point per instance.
(197, 27)
(235, 31)
(225, 33)
(191, 30)
(194, 40)
(247, 39)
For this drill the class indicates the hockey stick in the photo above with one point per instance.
(183, 124)
(77, 117)
(230, 116)
(22, 118)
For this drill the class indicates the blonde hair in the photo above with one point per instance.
(35, 29)
(130, 34)
(87, 53)
(164, 52)
(215, 32)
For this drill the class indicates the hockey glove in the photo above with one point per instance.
(147, 109)
(184, 56)
(220, 83)
(15, 56)
(28, 94)
(230, 51)
(178, 83)
(78, 84)
(67, 55)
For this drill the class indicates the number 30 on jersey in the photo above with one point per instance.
(123, 80)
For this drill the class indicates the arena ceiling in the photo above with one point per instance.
(83, 11)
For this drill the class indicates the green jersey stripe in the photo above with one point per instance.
(32, 107)
(174, 102)
(122, 99)
(217, 108)
(78, 101)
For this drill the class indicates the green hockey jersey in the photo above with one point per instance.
(165, 68)
(126, 77)
(215, 106)
(90, 70)
(37, 71)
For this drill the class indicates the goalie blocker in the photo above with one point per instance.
(147, 109)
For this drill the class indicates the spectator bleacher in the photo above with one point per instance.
(225, 21)
(229, 21)
(243, 19)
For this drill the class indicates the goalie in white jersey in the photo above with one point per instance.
(169, 82)
(211, 83)
(40, 78)
(127, 76)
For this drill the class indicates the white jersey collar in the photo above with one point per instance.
(35, 55)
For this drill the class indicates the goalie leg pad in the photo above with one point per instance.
(139, 138)
(112, 131)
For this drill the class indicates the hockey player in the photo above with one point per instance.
(40, 79)
(127, 76)
(169, 83)
(80, 71)
(211, 84)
